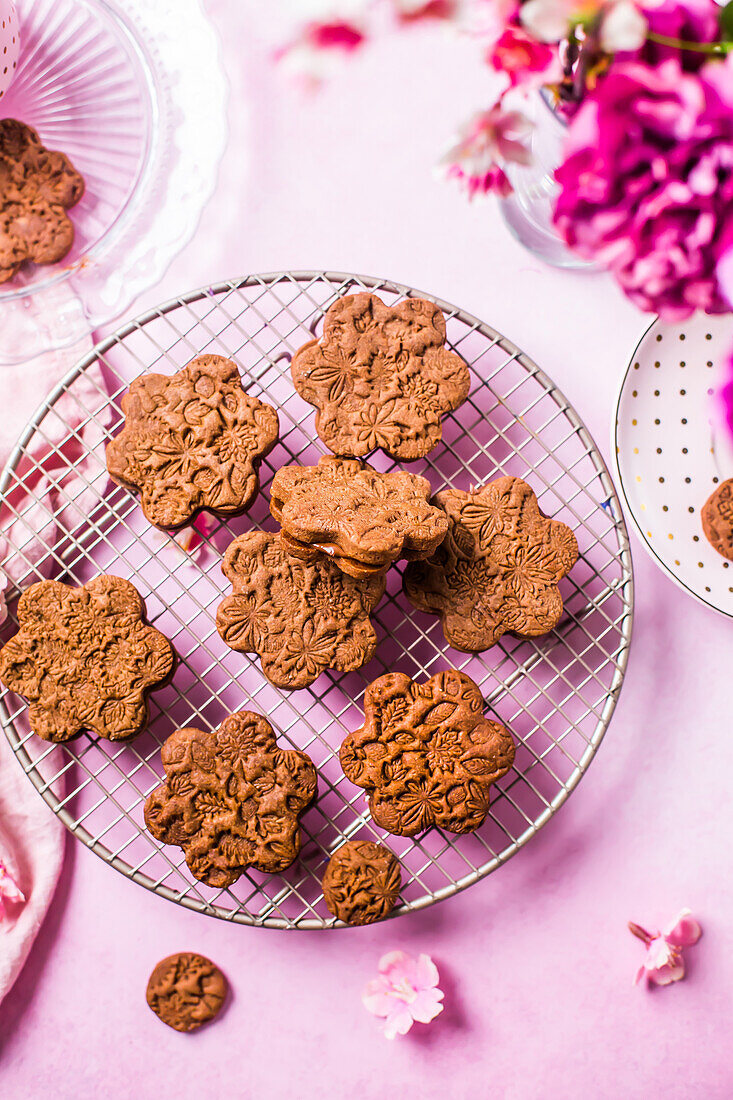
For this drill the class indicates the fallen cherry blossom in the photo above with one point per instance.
(406, 992)
(489, 140)
(9, 889)
(317, 51)
(664, 962)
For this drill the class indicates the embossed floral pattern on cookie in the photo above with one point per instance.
(362, 882)
(361, 518)
(498, 568)
(426, 754)
(37, 187)
(185, 991)
(85, 659)
(300, 617)
(381, 377)
(192, 440)
(232, 799)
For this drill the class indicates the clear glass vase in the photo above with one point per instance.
(528, 210)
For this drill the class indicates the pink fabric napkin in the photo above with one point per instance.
(31, 836)
(32, 848)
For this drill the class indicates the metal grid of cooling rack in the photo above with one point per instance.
(556, 693)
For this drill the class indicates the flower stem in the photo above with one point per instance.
(640, 932)
(715, 49)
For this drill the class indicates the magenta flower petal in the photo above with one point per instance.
(683, 931)
(724, 272)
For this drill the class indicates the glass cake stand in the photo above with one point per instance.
(140, 109)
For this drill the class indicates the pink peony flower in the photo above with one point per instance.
(664, 963)
(405, 992)
(9, 890)
(684, 20)
(646, 187)
(726, 395)
(523, 58)
(490, 137)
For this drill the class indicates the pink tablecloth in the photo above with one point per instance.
(536, 960)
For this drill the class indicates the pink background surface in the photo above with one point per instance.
(535, 960)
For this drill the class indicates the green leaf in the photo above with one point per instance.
(726, 22)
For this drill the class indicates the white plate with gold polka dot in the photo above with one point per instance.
(672, 448)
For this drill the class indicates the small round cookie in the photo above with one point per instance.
(362, 882)
(186, 990)
(717, 519)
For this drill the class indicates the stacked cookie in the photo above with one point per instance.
(485, 562)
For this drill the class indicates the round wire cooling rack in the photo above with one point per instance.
(556, 694)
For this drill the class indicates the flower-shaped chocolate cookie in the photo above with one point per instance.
(85, 659)
(300, 617)
(192, 440)
(381, 376)
(498, 568)
(363, 519)
(231, 799)
(362, 882)
(37, 187)
(426, 754)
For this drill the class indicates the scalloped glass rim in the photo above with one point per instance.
(179, 158)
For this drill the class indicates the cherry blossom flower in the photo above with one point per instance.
(405, 992)
(489, 138)
(525, 60)
(319, 47)
(664, 963)
(550, 20)
(9, 889)
(412, 11)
